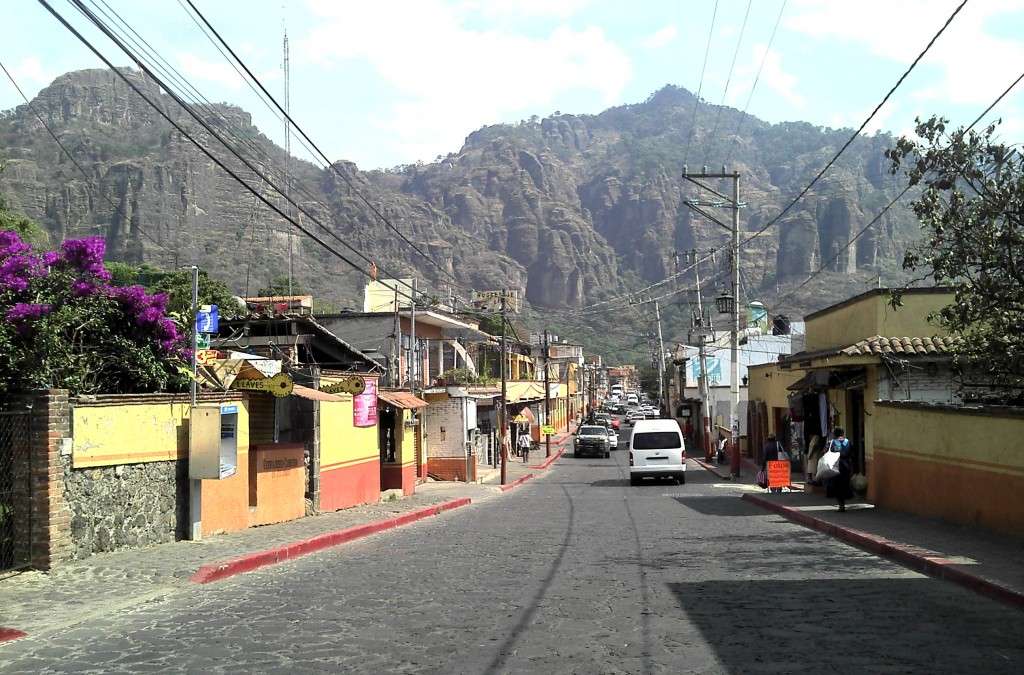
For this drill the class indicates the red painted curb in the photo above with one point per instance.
(247, 563)
(549, 461)
(904, 554)
(712, 469)
(11, 634)
(516, 483)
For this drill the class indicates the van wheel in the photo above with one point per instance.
(633, 480)
(682, 479)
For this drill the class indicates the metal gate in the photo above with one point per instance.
(15, 498)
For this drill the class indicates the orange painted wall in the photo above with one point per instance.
(351, 485)
(954, 464)
(226, 501)
(276, 489)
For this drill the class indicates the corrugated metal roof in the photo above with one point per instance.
(402, 399)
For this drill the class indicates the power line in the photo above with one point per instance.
(319, 152)
(728, 79)
(700, 85)
(757, 78)
(219, 162)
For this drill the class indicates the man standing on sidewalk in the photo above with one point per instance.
(524, 444)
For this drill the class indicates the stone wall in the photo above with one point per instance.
(125, 506)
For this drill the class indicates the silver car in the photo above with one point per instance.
(613, 438)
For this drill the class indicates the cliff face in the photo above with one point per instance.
(571, 209)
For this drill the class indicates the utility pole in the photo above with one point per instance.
(547, 394)
(702, 382)
(195, 485)
(503, 408)
(412, 343)
(662, 403)
(735, 204)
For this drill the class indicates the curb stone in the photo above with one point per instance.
(247, 563)
(911, 557)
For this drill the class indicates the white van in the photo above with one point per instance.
(656, 450)
(631, 399)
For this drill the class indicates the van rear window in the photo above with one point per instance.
(656, 440)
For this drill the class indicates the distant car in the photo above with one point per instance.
(613, 439)
(614, 423)
(632, 416)
(603, 419)
(619, 409)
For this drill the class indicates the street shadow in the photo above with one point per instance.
(724, 505)
(841, 624)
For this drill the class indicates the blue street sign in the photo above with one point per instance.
(206, 319)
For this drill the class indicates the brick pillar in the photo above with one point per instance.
(50, 519)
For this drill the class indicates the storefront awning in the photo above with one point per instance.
(524, 391)
(316, 395)
(402, 399)
(524, 416)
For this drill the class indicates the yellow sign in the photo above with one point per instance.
(206, 357)
(350, 385)
(547, 430)
(279, 385)
(778, 474)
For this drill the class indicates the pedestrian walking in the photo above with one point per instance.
(838, 487)
(524, 445)
(772, 452)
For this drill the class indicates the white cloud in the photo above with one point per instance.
(776, 79)
(660, 38)
(553, 8)
(973, 65)
(451, 79)
(220, 73)
(31, 70)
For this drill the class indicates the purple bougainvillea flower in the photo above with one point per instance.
(86, 255)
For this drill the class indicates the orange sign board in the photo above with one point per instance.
(778, 474)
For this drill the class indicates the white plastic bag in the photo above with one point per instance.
(828, 465)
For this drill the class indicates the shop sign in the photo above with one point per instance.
(354, 385)
(279, 385)
(364, 406)
(778, 474)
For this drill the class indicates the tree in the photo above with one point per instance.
(279, 287)
(971, 210)
(63, 325)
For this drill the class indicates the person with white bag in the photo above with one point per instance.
(838, 486)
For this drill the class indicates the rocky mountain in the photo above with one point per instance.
(570, 209)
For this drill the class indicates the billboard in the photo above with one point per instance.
(490, 301)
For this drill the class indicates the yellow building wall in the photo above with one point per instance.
(407, 445)
(952, 464)
(350, 467)
(134, 431)
(870, 314)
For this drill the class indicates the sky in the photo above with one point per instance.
(389, 82)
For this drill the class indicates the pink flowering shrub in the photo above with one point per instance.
(62, 325)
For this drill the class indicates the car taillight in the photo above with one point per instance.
(631, 458)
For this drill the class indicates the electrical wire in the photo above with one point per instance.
(753, 87)
(728, 79)
(218, 161)
(333, 167)
(700, 85)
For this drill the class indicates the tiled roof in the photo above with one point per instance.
(896, 346)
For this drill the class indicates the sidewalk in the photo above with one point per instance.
(79, 591)
(983, 561)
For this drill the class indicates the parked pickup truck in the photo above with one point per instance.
(591, 439)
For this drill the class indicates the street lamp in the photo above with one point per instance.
(725, 303)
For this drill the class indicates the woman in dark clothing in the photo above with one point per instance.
(838, 487)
